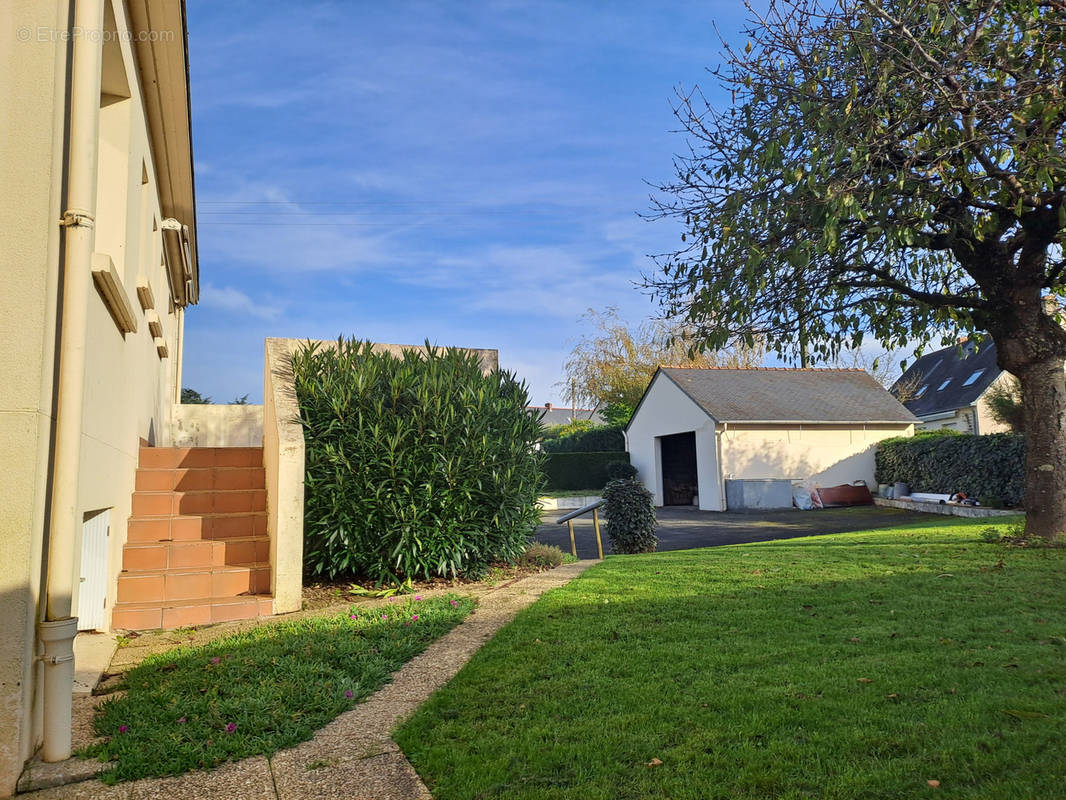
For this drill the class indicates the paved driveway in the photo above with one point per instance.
(684, 528)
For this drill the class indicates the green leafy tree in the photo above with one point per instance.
(889, 169)
(193, 397)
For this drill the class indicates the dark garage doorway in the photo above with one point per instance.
(679, 469)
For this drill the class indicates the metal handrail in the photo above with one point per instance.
(569, 520)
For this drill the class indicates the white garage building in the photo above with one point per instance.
(739, 438)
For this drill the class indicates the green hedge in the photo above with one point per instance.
(579, 470)
(981, 466)
(416, 466)
(595, 440)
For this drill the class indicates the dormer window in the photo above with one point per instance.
(920, 392)
(974, 377)
(944, 385)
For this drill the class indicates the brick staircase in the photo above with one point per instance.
(197, 550)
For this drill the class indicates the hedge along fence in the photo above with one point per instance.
(579, 470)
(417, 465)
(991, 466)
(594, 440)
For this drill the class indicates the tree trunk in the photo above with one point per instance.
(1044, 399)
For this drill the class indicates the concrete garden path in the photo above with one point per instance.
(354, 756)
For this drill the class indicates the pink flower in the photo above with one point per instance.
(349, 694)
(351, 616)
(123, 728)
(216, 660)
(181, 720)
(455, 604)
(231, 727)
(414, 618)
(418, 597)
(384, 616)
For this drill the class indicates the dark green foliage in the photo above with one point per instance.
(418, 465)
(193, 397)
(630, 517)
(990, 466)
(593, 440)
(578, 470)
(620, 470)
(274, 684)
(618, 414)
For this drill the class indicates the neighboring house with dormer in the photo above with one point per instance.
(950, 388)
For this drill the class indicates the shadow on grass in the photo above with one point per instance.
(260, 690)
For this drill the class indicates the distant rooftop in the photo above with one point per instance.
(949, 379)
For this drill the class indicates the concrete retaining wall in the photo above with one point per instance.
(945, 509)
(208, 425)
(565, 503)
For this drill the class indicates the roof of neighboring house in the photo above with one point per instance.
(948, 378)
(784, 395)
(556, 415)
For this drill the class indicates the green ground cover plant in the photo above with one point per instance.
(862, 665)
(260, 690)
(416, 466)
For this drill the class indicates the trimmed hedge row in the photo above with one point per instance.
(579, 470)
(991, 466)
(594, 440)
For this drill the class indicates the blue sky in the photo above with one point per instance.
(468, 173)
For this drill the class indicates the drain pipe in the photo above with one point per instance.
(59, 628)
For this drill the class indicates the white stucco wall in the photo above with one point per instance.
(827, 455)
(129, 388)
(667, 410)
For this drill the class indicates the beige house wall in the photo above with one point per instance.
(827, 455)
(131, 378)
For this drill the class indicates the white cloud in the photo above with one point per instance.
(226, 298)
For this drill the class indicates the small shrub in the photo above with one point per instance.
(542, 556)
(620, 471)
(630, 517)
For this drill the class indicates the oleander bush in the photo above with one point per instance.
(991, 466)
(417, 465)
(630, 517)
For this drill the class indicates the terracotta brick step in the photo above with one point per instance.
(200, 478)
(189, 613)
(192, 457)
(169, 585)
(154, 504)
(164, 527)
(195, 553)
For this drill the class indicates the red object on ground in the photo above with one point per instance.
(845, 495)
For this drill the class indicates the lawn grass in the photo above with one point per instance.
(260, 690)
(849, 666)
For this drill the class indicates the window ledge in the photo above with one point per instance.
(108, 283)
